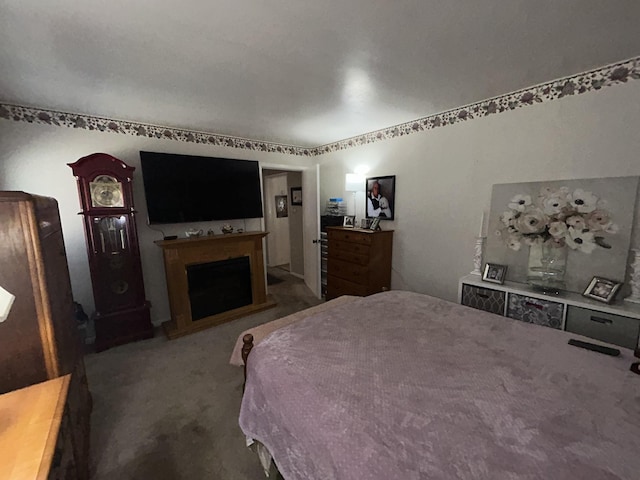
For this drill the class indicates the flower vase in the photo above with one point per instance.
(547, 266)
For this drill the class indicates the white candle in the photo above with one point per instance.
(481, 225)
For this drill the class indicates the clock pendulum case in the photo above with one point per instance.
(106, 196)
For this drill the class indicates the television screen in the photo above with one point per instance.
(187, 188)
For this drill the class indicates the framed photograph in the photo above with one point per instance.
(381, 194)
(494, 273)
(602, 289)
(282, 209)
(375, 224)
(349, 221)
(296, 195)
(364, 223)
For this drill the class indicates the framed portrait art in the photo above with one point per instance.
(381, 194)
(296, 195)
(602, 289)
(494, 273)
(349, 221)
(282, 209)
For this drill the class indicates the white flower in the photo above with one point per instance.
(579, 240)
(598, 220)
(520, 202)
(507, 218)
(583, 202)
(576, 222)
(557, 229)
(553, 205)
(532, 220)
(513, 242)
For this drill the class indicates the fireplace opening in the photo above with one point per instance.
(217, 287)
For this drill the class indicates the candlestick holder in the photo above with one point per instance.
(634, 277)
(477, 256)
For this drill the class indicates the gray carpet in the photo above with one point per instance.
(168, 410)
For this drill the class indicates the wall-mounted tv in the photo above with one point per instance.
(187, 188)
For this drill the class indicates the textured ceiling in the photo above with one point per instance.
(299, 72)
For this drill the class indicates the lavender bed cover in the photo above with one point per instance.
(401, 385)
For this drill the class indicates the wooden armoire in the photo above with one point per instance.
(39, 339)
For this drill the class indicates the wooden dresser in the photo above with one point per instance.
(36, 432)
(39, 340)
(358, 261)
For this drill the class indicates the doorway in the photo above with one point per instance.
(283, 221)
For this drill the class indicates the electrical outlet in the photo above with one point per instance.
(6, 301)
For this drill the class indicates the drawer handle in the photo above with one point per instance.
(534, 305)
(604, 321)
(482, 295)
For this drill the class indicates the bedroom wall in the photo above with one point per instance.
(33, 158)
(444, 176)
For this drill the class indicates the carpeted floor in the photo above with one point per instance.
(167, 410)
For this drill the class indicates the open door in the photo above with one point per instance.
(311, 222)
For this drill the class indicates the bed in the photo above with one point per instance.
(401, 385)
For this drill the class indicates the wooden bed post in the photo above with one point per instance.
(247, 345)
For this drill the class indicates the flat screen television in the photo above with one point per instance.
(187, 188)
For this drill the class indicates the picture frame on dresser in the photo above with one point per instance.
(494, 273)
(349, 221)
(375, 224)
(602, 289)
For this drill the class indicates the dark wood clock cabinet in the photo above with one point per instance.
(106, 197)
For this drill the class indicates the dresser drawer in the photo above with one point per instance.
(349, 271)
(351, 236)
(347, 256)
(606, 327)
(346, 248)
(535, 310)
(337, 287)
(485, 299)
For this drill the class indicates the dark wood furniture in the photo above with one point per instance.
(359, 261)
(39, 339)
(183, 252)
(106, 197)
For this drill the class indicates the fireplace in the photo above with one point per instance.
(213, 279)
(217, 287)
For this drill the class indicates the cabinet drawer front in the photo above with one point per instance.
(349, 271)
(337, 287)
(535, 310)
(351, 257)
(605, 327)
(350, 236)
(347, 248)
(485, 299)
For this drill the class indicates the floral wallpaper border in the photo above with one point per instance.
(597, 79)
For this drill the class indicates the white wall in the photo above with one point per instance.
(33, 158)
(444, 176)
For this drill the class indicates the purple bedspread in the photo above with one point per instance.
(406, 386)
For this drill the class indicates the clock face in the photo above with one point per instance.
(106, 191)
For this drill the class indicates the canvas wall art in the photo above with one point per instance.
(590, 219)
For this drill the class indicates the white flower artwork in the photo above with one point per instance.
(591, 218)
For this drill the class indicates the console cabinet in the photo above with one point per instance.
(39, 339)
(618, 323)
(358, 261)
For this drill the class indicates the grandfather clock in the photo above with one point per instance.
(106, 196)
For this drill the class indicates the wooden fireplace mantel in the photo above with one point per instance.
(182, 252)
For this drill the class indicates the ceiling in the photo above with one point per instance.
(301, 72)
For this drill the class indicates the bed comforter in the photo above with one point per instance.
(406, 386)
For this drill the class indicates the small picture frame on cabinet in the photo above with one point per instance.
(375, 224)
(602, 289)
(494, 273)
(349, 221)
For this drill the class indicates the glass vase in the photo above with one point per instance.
(547, 266)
